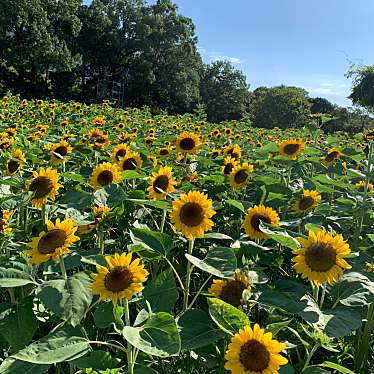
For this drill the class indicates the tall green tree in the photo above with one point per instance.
(224, 91)
(321, 105)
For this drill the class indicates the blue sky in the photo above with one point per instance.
(306, 43)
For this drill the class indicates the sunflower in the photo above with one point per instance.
(161, 183)
(15, 164)
(307, 202)
(5, 216)
(44, 185)
(97, 138)
(191, 214)
(119, 151)
(233, 151)
(320, 259)
(235, 291)
(240, 175)
(164, 152)
(100, 212)
(216, 152)
(256, 215)
(188, 142)
(131, 161)
(332, 155)
(361, 186)
(229, 164)
(121, 279)
(105, 174)
(369, 135)
(60, 151)
(252, 351)
(291, 148)
(153, 160)
(54, 243)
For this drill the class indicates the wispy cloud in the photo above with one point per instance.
(332, 88)
(233, 60)
(215, 56)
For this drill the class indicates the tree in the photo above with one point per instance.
(224, 91)
(321, 105)
(281, 106)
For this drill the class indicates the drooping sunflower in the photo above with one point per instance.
(59, 151)
(119, 151)
(228, 165)
(121, 279)
(256, 215)
(105, 174)
(252, 351)
(15, 164)
(233, 151)
(332, 155)
(240, 175)
(161, 183)
(191, 214)
(5, 216)
(44, 185)
(291, 148)
(320, 259)
(131, 161)
(361, 186)
(235, 291)
(54, 243)
(188, 142)
(307, 202)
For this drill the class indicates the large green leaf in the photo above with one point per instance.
(103, 316)
(227, 317)
(197, 329)
(13, 366)
(282, 237)
(69, 298)
(14, 278)
(161, 292)
(152, 240)
(100, 360)
(286, 301)
(220, 261)
(159, 336)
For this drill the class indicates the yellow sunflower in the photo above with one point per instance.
(307, 202)
(161, 183)
(122, 279)
(191, 214)
(5, 216)
(100, 212)
(216, 152)
(361, 186)
(119, 151)
(98, 139)
(15, 164)
(44, 185)
(131, 161)
(233, 151)
(332, 155)
(256, 215)
(188, 142)
(240, 175)
(153, 160)
(369, 135)
(59, 151)
(320, 259)
(252, 351)
(105, 174)
(228, 165)
(291, 148)
(54, 243)
(235, 291)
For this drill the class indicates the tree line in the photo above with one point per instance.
(63, 49)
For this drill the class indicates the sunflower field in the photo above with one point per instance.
(132, 243)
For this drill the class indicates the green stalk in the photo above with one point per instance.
(44, 215)
(62, 267)
(322, 296)
(310, 355)
(163, 220)
(315, 292)
(188, 279)
(130, 361)
(100, 238)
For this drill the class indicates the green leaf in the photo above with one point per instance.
(13, 366)
(59, 346)
(114, 195)
(220, 261)
(159, 336)
(132, 174)
(152, 240)
(197, 329)
(18, 323)
(237, 204)
(333, 365)
(227, 317)
(274, 328)
(68, 299)
(315, 370)
(73, 176)
(103, 316)
(14, 278)
(159, 204)
(100, 360)
(161, 292)
(282, 237)
(217, 235)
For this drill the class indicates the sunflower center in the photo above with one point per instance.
(187, 144)
(306, 202)
(191, 214)
(257, 219)
(51, 240)
(241, 176)
(331, 156)
(62, 150)
(41, 186)
(320, 257)
(254, 356)
(161, 183)
(164, 152)
(290, 149)
(13, 166)
(232, 292)
(120, 153)
(228, 168)
(105, 177)
(118, 279)
(129, 164)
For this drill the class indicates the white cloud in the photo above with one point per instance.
(233, 60)
(333, 88)
(215, 56)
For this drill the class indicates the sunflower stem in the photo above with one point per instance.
(130, 363)
(44, 215)
(62, 267)
(163, 220)
(310, 355)
(322, 296)
(188, 279)
(315, 292)
(100, 239)
(198, 292)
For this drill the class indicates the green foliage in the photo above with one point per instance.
(363, 86)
